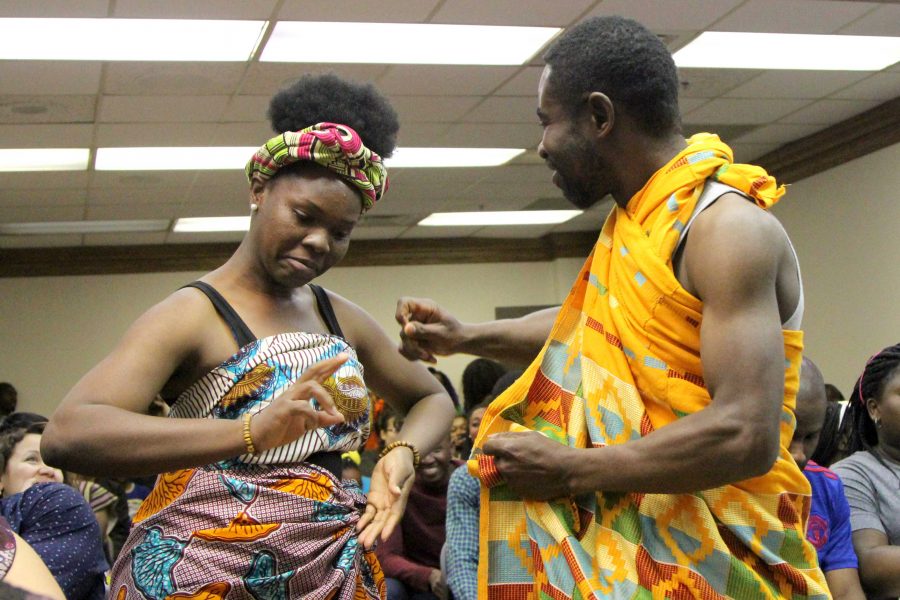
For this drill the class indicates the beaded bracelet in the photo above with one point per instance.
(405, 444)
(248, 439)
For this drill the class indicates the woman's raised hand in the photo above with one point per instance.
(291, 414)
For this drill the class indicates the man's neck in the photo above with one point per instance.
(639, 159)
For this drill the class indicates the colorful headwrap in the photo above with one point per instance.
(336, 147)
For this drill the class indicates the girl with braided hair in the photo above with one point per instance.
(871, 474)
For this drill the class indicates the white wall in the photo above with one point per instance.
(53, 329)
(844, 224)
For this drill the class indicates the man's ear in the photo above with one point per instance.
(603, 112)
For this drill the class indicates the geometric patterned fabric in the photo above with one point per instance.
(257, 527)
(622, 360)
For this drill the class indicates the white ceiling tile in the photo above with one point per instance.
(421, 134)
(38, 199)
(746, 153)
(780, 133)
(515, 194)
(880, 86)
(690, 15)
(246, 108)
(432, 109)
(133, 200)
(50, 77)
(161, 109)
(538, 173)
(241, 134)
(743, 111)
(385, 11)
(419, 232)
(686, 105)
(226, 184)
(511, 12)
(442, 178)
(195, 9)
(31, 214)
(40, 241)
(505, 109)
(489, 135)
(439, 80)
(711, 83)
(796, 84)
(45, 180)
(47, 109)
(792, 16)
(828, 112)
(883, 19)
(172, 78)
(46, 136)
(154, 134)
(131, 210)
(266, 78)
(55, 9)
(524, 83)
(110, 187)
(138, 238)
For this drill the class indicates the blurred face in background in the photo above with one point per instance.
(475, 422)
(25, 467)
(435, 466)
(458, 431)
(391, 431)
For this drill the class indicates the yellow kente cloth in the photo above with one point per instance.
(623, 360)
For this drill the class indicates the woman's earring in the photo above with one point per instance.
(877, 423)
(254, 207)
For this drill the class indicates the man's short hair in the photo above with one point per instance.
(624, 60)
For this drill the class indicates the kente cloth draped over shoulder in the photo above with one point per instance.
(265, 526)
(623, 360)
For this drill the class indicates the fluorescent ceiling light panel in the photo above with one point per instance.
(181, 158)
(83, 227)
(404, 43)
(505, 217)
(452, 157)
(129, 39)
(210, 224)
(43, 159)
(730, 50)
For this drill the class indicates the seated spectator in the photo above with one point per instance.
(104, 502)
(829, 520)
(460, 445)
(478, 380)
(21, 568)
(9, 398)
(411, 556)
(445, 381)
(51, 516)
(871, 474)
(21, 420)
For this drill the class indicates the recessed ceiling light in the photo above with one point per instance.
(738, 50)
(179, 158)
(452, 157)
(210, 224)
(44, 159)
(83, 227)
(506, 217)
(235, 157)
(404, 43)
(129, 39)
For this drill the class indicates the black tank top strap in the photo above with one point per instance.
(240, 331)
(326, 310)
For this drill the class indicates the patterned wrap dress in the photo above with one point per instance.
(267, 526)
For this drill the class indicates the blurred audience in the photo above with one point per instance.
(51, 516)
(478, 380)
(829, 520)
(871, 474)
(9, 398)
(460, 445)
(411, 556)
(445, 381)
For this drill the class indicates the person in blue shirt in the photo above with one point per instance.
(829, 518)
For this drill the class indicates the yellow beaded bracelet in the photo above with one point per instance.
(405, 444)
(248, 439)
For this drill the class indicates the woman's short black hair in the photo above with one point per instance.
(328, 98)
(624, 60)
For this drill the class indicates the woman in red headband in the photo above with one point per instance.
(264, 372)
